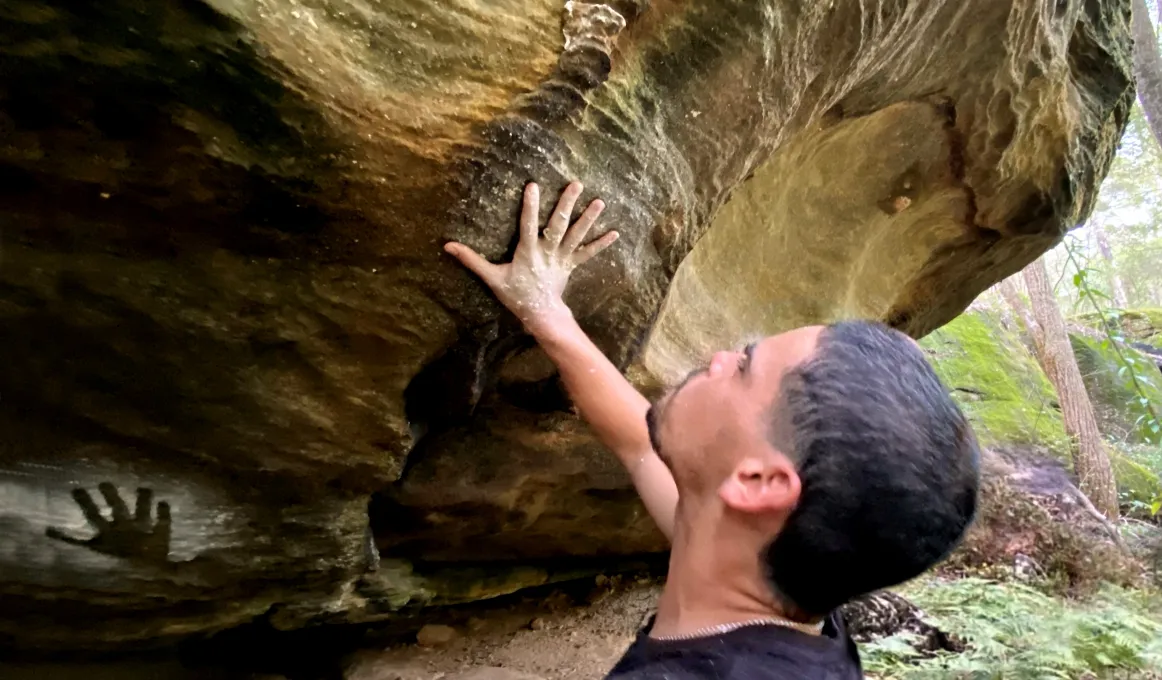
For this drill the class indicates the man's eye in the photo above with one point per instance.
(744, 360)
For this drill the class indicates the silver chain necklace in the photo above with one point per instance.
(810, 628)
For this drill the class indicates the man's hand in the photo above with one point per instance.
(125, 535)
(532, 285)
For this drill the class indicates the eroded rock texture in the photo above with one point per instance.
(221, 276)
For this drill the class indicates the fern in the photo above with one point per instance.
(1015, 631)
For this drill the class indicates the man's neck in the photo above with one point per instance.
(709, 586)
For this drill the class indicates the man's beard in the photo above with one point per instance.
(653, 414)
(652, 427)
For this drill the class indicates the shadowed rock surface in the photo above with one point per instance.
(221, 276)
(883, 614)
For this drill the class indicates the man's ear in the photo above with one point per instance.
(760, 485)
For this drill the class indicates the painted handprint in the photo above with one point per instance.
(136, 536)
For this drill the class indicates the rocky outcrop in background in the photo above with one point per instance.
(221, 278)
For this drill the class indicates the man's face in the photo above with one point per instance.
(720, 414)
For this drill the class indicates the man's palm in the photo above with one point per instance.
(532, 284)
(124, 535)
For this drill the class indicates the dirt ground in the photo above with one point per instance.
(574, 631)
(557, 638)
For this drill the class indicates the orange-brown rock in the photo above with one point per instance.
(221, 277)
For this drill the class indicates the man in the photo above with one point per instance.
(809, 468)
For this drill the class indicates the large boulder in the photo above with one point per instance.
(1034, 524)
(222, 280)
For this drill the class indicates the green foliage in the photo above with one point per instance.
(998, 383)
(1138, 470)
(1137, 462)
(1117, 392)
(1129, 211)
(1015, 631)
(1135, 381)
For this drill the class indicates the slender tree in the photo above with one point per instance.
(1107, 254)
(1148, 65)
(1046, 327)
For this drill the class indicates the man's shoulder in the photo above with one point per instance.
(757, 653)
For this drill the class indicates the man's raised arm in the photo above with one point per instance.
(531, 286)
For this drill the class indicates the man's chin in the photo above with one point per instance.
(653, 428)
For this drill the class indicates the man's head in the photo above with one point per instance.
(836, 447)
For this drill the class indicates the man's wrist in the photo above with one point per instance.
(551, 322)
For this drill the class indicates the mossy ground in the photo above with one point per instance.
(998, 384)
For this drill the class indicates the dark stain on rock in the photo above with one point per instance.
(283, 204)
(445, 393)
(543, 396)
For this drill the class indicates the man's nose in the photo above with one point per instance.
(723, 363)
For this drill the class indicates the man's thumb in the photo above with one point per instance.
(470, 259)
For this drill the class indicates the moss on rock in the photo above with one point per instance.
(998, 383)
(1144, 325)
(1139, 486)
(1139, 325)
(1116, 401)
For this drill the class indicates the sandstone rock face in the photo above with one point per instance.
(221, 279)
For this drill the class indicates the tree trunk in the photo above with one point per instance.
(1148, 67)
(1009, 291)
(1090, 460)
(1107, 253)
(1046, 327)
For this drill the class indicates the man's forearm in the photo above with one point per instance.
(613, 408)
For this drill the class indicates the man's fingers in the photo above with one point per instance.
(580, 229)
(144, 506)
(559, 220)
(53, 532)
(90, 510)
(120, 510)
(589, 250)
(472, 260)
(161, 530)
(528, 214)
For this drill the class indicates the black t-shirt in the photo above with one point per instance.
(748, 653)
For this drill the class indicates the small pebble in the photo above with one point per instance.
(538, 624)
(476, 623)
(433, 635)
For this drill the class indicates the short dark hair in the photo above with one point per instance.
(888, 463)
